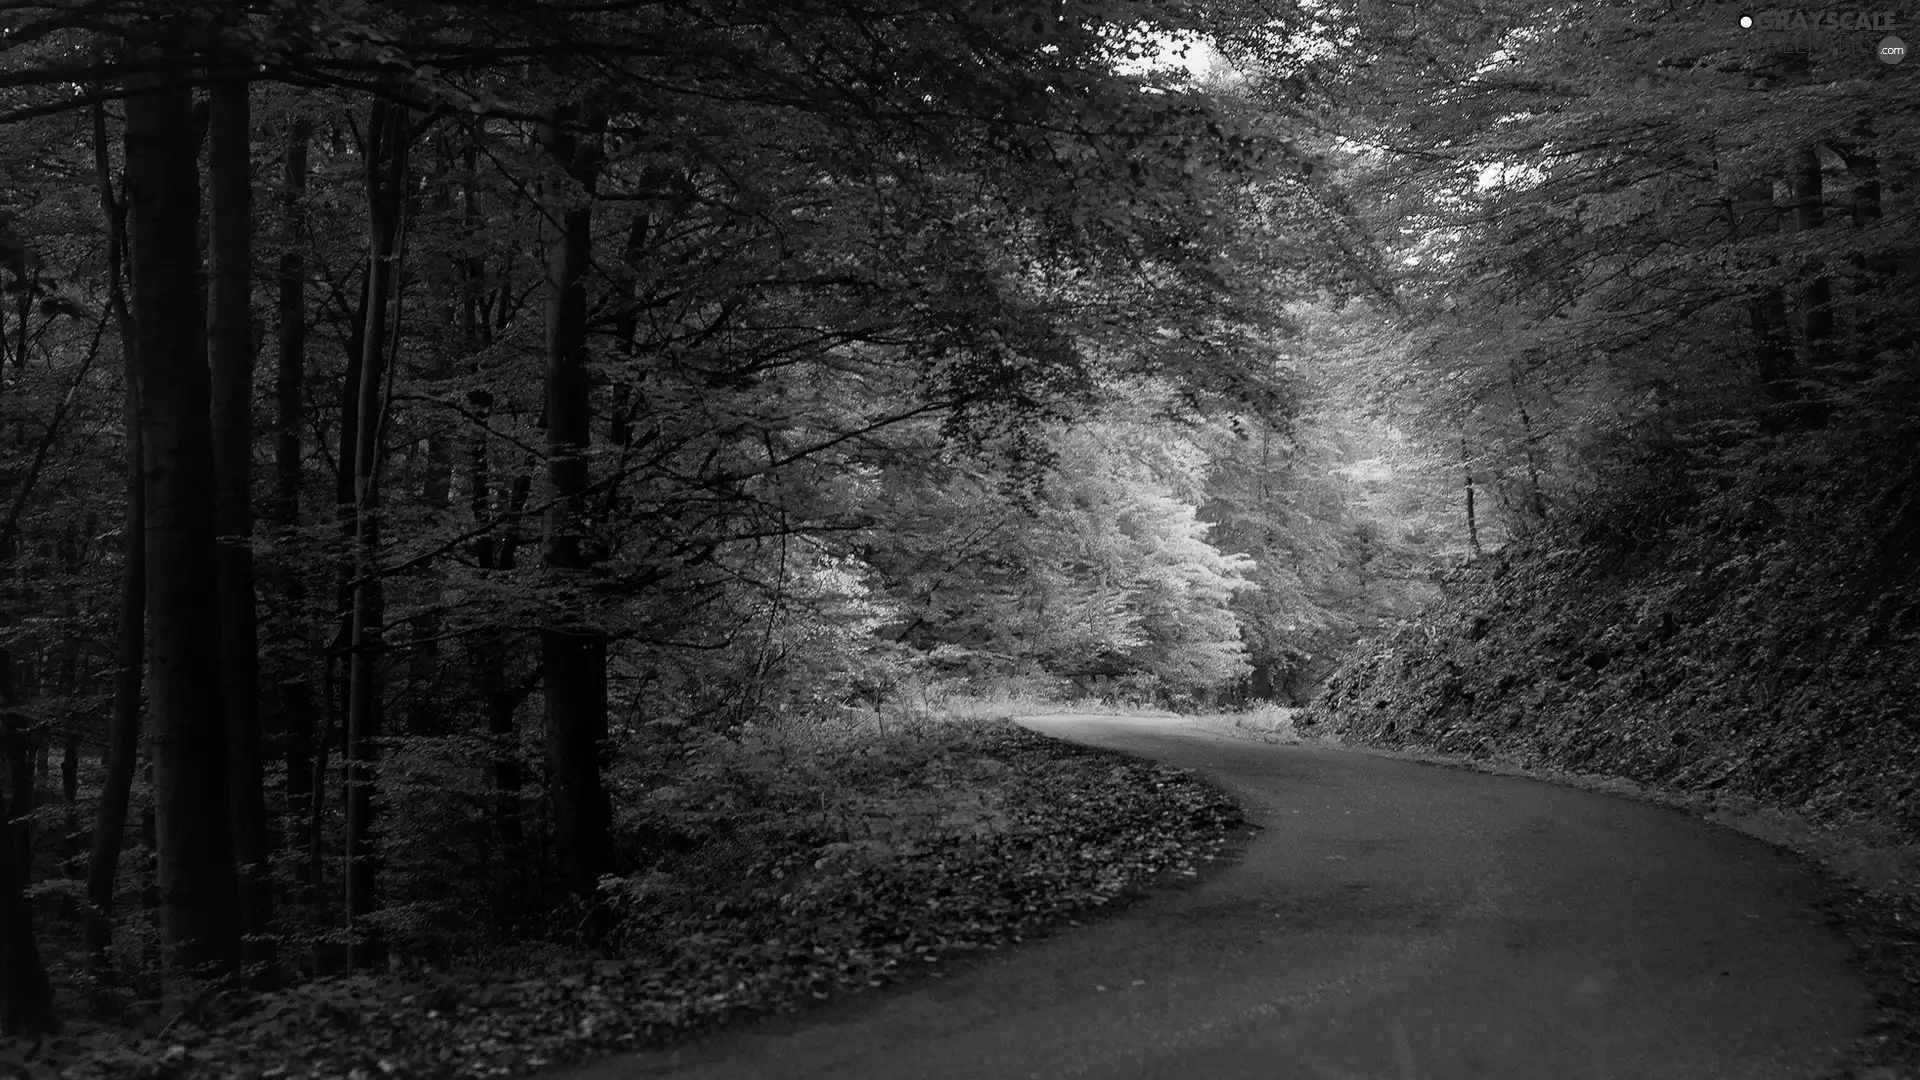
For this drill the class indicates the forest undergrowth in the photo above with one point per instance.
(1732, 625)
(782, 867)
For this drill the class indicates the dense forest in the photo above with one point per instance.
(441, 436)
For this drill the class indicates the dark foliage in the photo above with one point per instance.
(922, 846)
(1737, 615)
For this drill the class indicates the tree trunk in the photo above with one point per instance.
(198, 884)
(317, 800)
(573, 658)
(26, 996)
(510, 539)
(501, 703)
(22, 740)
(489, 649)
(70, 563)
(575, 674)
(70, 799)
(123, 732)
(296, 705)
(479, 479)
(1872, 271)
(230, 357)
(290, 373)
(1752, 211)
(427, 712)
(1809, 213)
(388, 133)
(296, 696)
(335, 666)
(1473, 522)
(505, 767)
(1773, 349)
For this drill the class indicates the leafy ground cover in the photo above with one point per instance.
(1749, 624)
(790, 868)
(1734, 628)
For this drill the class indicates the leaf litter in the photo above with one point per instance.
(808, 877)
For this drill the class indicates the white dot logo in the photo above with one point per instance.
(1746, 22)
(1892, 50)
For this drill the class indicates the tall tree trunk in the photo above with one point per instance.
(296, 705)
(388, 132)
(296, 695)
(427, 713)
(502, 701)
(290, 373)
(479, 479)
(1473, 522)
(1809, 213)
(198, 885)
(317, 800)
(489, 649)
(26, 995)
(70, 799)
(22, 739)
(573, 658)
(70, 562)
(230, 357)
(335, 664)
(1536, 498)
(149, 845)
(510, 539)
(1816, 292)
(1752, 212)
(1872, 270)
(123, 731)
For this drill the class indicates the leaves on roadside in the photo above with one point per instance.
(994, 835)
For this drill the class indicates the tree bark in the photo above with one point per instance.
(70, 799)
(573, 657)
(123, 732)
(296, 705)
(1872, 271)
(489, 654)
(296, 696)
(1809, 213)
(230, 358)
(389, 131)
(290, 373)
(26, 995)
(198, 884)
(1751, 212)
(22, 740)
(501, 700)
(510, 539)
(71, 560)
(1473, 522)
(317, 800)
(427, 713)
(479, 479)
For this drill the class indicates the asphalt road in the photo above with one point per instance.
(1391, 921)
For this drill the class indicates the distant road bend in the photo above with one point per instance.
(1391, 921)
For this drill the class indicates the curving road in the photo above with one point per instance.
(1392, 921)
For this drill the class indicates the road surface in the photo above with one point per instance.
(1391, 921)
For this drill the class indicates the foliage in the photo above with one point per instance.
(914, 848)
(1598, 218)
(1345, 513)
(1103, 572)
(857, 279)
(1750, 631)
